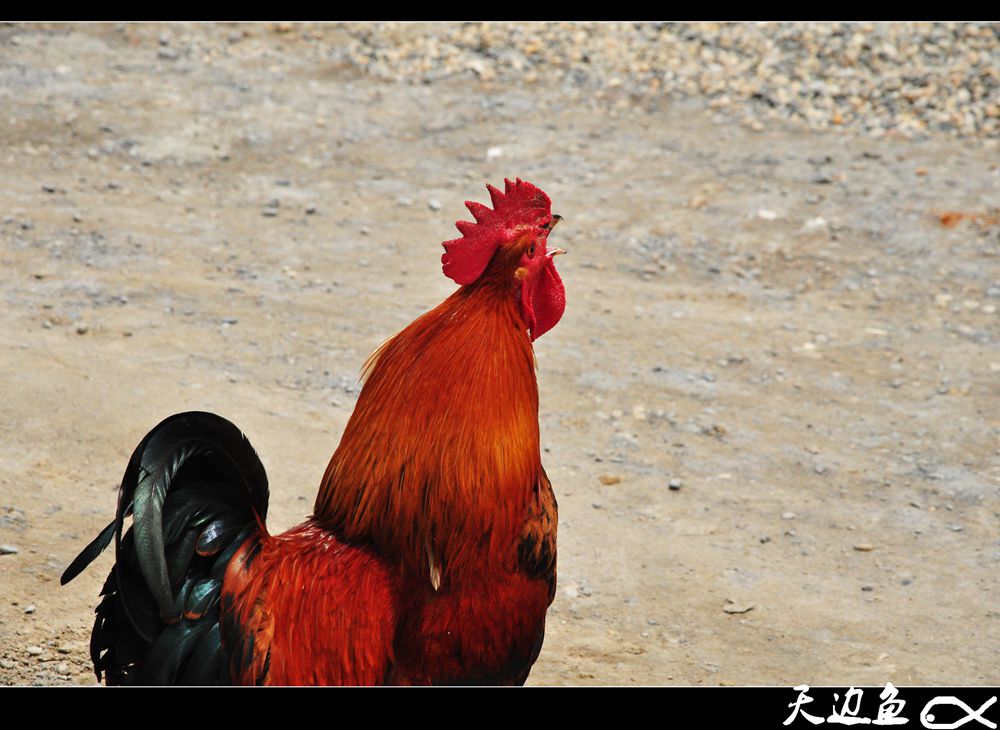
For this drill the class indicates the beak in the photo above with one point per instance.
(555, 220)
(555, 252)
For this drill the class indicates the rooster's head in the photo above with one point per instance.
(508, 246)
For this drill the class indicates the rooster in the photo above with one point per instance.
(430, 556)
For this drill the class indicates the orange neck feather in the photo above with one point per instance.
(441, 455)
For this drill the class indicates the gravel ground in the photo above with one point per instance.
(769, 413)
(911, 79)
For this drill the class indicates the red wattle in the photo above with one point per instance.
(543, 301)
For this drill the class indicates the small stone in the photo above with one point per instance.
(82, 328)
(921, 172)
(30, 609)
(675, 484)
(310, 210)
(732, 607)
(8, 550)
(494, 152)
(34, 650)
(864, 547)
(48, 188)
(404, 201)
(230, 320)
(7, 664)
(788, 516)
(168, 54)
(63, 668)
(867, 588)
(609, 479)
(434, 204)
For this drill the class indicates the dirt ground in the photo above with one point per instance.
(770, 413)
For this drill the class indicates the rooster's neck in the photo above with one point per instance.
(441, 454)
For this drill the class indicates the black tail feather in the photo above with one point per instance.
(89, 553)
(195, 489)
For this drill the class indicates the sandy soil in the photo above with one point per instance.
(775, 321)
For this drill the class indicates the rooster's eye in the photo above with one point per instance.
(531, 250)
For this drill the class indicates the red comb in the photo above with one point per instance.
(521, 204)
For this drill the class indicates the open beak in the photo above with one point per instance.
(552, 224)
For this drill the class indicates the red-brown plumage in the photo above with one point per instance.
(430, 555)
(303, 600)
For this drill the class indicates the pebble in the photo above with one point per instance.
(434, 204)
(864, 548)
(30, 609)
(82, 328)
(7, 664)
(609, 479)
(8, 550)
(34, 650)
(168, 54)
(675, 484)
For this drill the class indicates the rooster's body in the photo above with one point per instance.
(430, 555)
